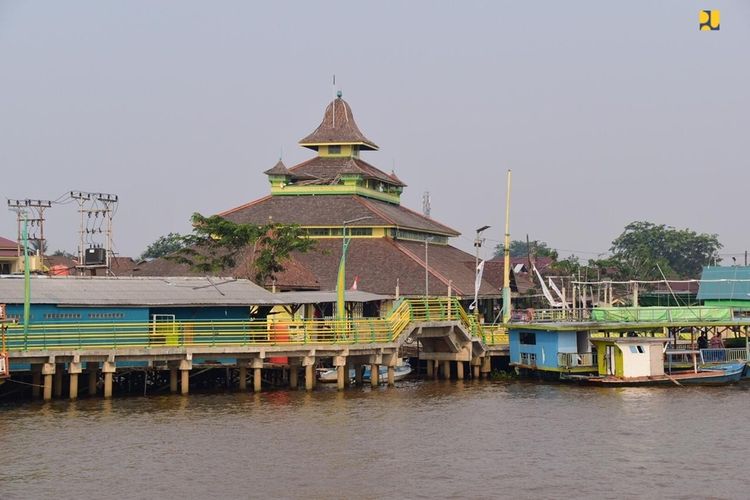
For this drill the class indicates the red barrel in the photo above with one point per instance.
(279, 335)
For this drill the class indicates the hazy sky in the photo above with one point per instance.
(607, 112)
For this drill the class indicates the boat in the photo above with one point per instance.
(640, 362)
(327, 375)
(716, 375)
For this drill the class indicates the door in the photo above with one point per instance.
(164, 330)
(609, 359)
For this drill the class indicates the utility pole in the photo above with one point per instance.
(95, 205)
(35, 208)
(478, 242)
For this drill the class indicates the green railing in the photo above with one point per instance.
(222, 333)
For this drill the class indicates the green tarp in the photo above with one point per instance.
(660, 314)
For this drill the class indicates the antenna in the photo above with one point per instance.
(333, 102)
(426, 204)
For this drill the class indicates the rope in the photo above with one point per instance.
(23, 383)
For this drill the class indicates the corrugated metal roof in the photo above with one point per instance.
(99, 292)
(725, 283)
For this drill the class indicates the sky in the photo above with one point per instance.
(606, 112)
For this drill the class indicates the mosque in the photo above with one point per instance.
(393, 250)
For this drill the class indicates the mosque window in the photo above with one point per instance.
(334, 150)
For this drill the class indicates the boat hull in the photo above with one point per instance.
(329, 375)
(728, 373)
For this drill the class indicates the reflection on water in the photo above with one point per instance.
(420, 439)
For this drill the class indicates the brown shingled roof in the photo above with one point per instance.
(327, 168)
(332, 210)
(381, 262)
(278, 169)
(295, 275)
(338, 127)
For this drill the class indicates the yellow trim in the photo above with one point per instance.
(340, 189)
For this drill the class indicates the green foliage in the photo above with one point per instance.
(164, 245)
(567, 266)
(218, 244)
(644, 247)
(519, 248)
(62, 253)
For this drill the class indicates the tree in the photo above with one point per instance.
(644, 248)
(519, 248)
(164, 245)
(568, 266)
(218, 244)
(62, 253)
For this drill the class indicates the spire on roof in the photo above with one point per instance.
(278, 169)
(337, 128)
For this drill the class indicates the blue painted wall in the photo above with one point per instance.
(548, 344)
(51, 313)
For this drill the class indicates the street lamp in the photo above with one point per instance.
(341, 279)
(427, 240)
(478, 241)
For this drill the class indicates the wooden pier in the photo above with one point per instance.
(451, 341)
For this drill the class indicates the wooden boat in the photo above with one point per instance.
(641, 361)
(329, 375)
(716, 375)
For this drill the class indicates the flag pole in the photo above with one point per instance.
(506, 258)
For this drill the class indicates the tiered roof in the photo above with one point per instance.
(338, 127)
(332, 211)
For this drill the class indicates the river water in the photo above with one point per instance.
(417, 440)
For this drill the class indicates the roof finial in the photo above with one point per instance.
(339, 94)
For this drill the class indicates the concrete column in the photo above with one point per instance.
(436, 368)
(293, 376)
(243, 377)
(48, 370)
(340, 363)
(460, 370)
(185, 366)
(58, 380)
(257, 365)
(446, 370)
(476, 362)
(93, 369)
(358, 373)
(391, 376)
(74, 369)
(347, 378)
(430, 368)
(309, 377)
(374, 374)
(173, 380)
(36, 380)
(486, 366)
(108, 369)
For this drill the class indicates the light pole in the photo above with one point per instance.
(478, 241)
(427, 240)
(341, 279)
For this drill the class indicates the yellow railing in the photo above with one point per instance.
(124, 334)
